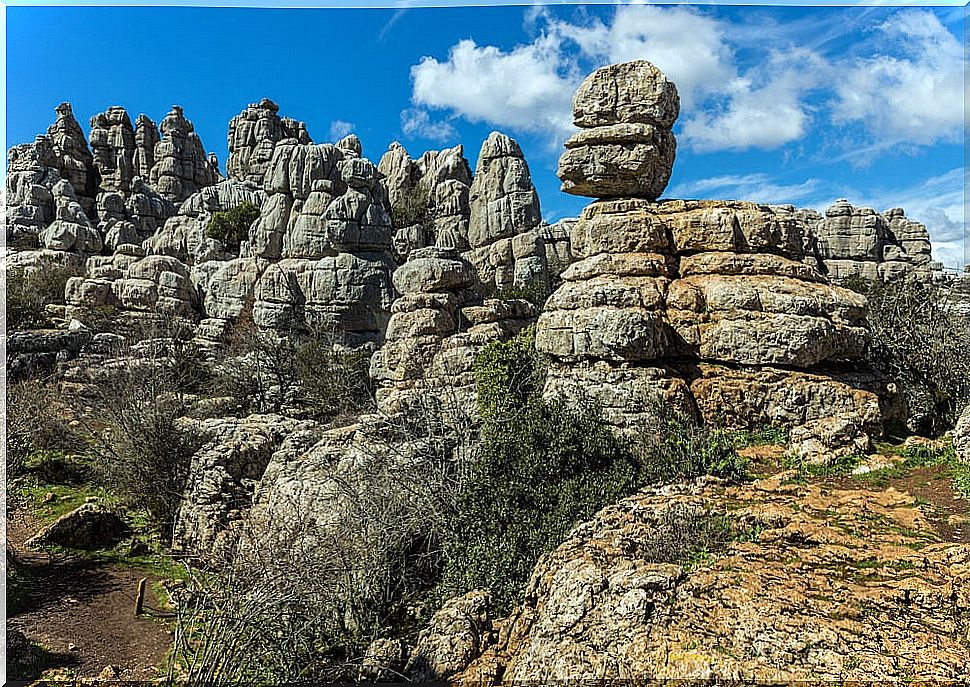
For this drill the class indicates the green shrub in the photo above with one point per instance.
(411, 209)
(535, 292)
(231, 227)
(918, 341)
(29, 291)
(543, 467)
(675, 447)
(38, 422)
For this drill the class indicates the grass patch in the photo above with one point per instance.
(922, 457)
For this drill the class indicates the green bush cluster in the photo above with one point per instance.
(547, 465)
(411, 209)
(231, 227)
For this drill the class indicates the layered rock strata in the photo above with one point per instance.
(156, 285)
(112, 141)
(708, 307)
(319, 254)
(438, 326)
(74, 160)
(860, 242)
(185, 235)
(181, 166)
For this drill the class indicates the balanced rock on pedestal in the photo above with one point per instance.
(709, 307)
(626, 147)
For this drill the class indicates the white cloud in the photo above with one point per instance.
(754, 187)
(417, 123)
(765, 109)
(740, 89)
(528, 88)
(689, 47)
(913, 96)
(339, 128)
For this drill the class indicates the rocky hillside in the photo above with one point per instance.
(319, 379)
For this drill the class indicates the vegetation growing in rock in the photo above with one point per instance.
(918, 341)
(141, 446)
(28, 292)
(231, 227)
(265, 370)
(546, 465)
(411, 209)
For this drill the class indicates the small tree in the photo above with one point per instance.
(231, 227)
(141, 442)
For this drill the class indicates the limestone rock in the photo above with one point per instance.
(630, 92)
(253, 135)
(112, 141)
(88, 527)
(860, 242)
(224, 473)
(71, 229)
(32, 173)
(181, 167)
(503, 201)
(961, 436)
(626, 146)
(185, 235)
(455, 637)
(437, 327)
(146, 138)
(75, 162)
(616, 600)
(434, 188)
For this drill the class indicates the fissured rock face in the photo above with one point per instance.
(626, 147)
(832, 585)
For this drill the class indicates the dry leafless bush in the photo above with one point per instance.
(330, 568)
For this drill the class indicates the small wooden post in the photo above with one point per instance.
(140, 596)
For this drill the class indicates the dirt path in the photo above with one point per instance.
(87, 604)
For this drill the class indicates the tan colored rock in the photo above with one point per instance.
(832, 585)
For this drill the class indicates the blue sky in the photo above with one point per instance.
(779, 104)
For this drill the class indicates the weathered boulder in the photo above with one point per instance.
(224, 473)
(71, 229)
(90, 526)
(455, 637)
(626, 146)
(253, 135)
(618, 600)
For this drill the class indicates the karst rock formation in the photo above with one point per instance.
(712, 307)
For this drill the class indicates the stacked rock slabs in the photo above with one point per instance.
(710, 307)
